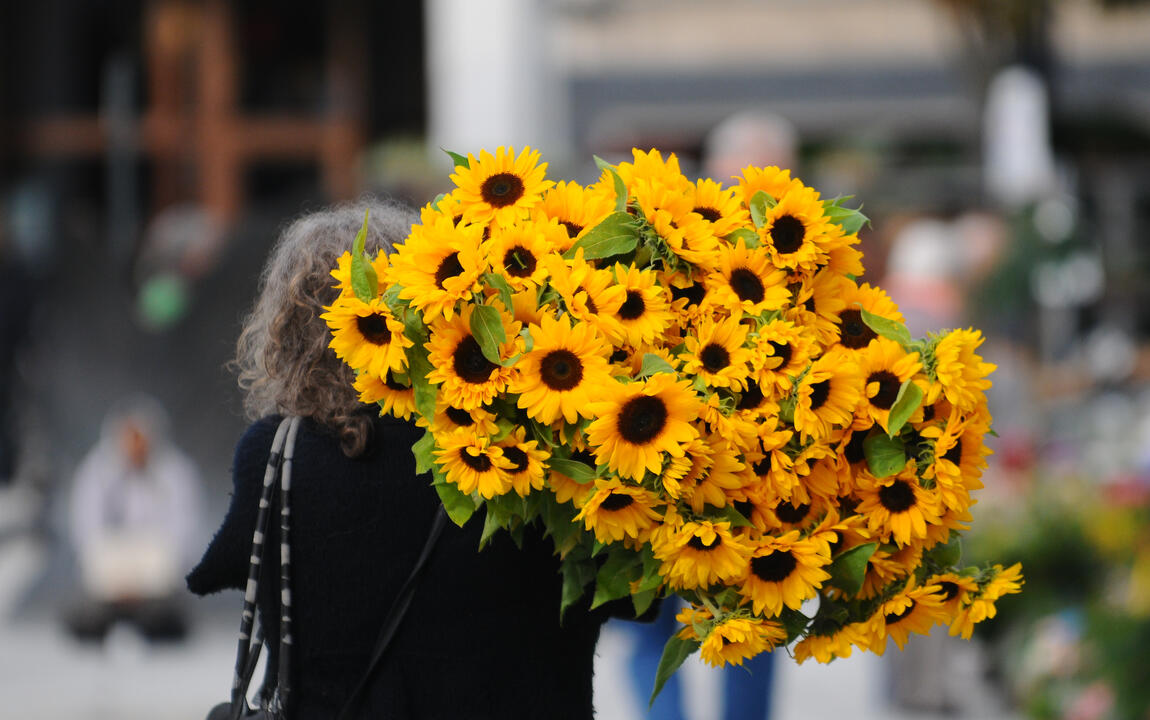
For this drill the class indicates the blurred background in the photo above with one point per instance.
(150, 151)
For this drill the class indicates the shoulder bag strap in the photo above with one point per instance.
(248, 647)
(395, 615)
(283, 677)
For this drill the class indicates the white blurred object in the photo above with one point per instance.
(1018, 159)
(129, 565)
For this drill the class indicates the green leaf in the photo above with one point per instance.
(460, 506)
(675, 652)
(849, 569)
(364, 282)
(418, 366)
(487, 328)
(457, 159)
(602, 164)
(760, 203)
(733, 516)
(613, 580)
(577, 574)
(950, 554)
(642, 601)
(616, 234)
(908, 400)
(749, 237)
(886, 328)
(851, 220)
(652, 364)
(580, 472)
(422, 449)
(885, 455)
(499, 283)
(794, 622)
(620, 192)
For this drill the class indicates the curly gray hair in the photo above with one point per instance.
(282, 358)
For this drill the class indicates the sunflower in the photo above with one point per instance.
(618, 512)
(468, 379)
(527, 460)
(565, 370)
(889, 565)
(774, 181)
(688, 469)
(783, 352)
(644, 313)
(689, 301)
(447, 418)
(827, 395)
(473, 464)
(745, 281)
(897, 507)
(852, 332)
(438, 266)
(915, 609)
(885, 367)
(714, 477)
(342, 271)
(576, 208)
(837, 644)
(642, 420)
(960, 372)
(502, 187)
(817, 304)
(784, 571)
(770, 462)
(567, 489)
(720, 207)
(366, 336)
(394, 397)
(716, 353)
(739, 638)
(793, 231)
(737, 427)
(690, 237)
(959, 458)
(650, 166)
(955, 590)
(517, 253)
(588, 294)
(981, 607)
(699, 554)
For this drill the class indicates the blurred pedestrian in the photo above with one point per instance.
(135, 516)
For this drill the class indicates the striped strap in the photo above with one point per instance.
(283, 677)
(249, 644)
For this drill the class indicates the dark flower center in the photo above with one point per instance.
(709, 213)
(641, 419)
(949, 589)
(573, 229)
(620, 356)
(782, 351)
(591, 306)
(751, 397)
(747, 285)
(697, 543)
(763, 467)
(616, 501)
(374, 329)
(393, 384)
(561, 370)
(775, 567)
(892, 618)
(746, 508)
(897, 497)
(633, 306)
(715, 357)
(954, 454)
(462, 418)
(469, 362)
(809, 304)
(928, 413)
(790, 514)
(478, 463)
(787, 234)
(819, 393)
(519, 261)
(854, 333)
(694, 294)
(584, 456)
(449, 267)
(854, 451)
(518, 458)
(502, 189)
(888, 385)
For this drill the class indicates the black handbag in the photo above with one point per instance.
(274, 700)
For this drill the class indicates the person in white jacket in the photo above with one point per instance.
(134, 516)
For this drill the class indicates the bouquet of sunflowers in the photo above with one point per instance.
(686, 384)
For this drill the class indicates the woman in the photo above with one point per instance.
(482, 638)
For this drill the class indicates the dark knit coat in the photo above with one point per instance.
(482, 638)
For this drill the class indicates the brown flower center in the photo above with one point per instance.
(854, 333)
(561, 370)
(790, 514)
(393, 384)
(897, 497)
(783, 351)
(715, 357)
(641, 419)
(573, 229)
(616, 501)
(751, 397)
(787, 234)
(954, 454)
(694, 294)
(633, 306)
(710, 213)
(469, 362)
(775, 567)
(519, 261)
(374, 329)
(478, 463)
(518, 458)
(888, 386)
(462, 418)
(820, 391)
(747, 285)
(892, 618)
(591, 306)
(502, 189)
(697, 543)
(449, 267)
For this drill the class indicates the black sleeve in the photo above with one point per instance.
(226, 561)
